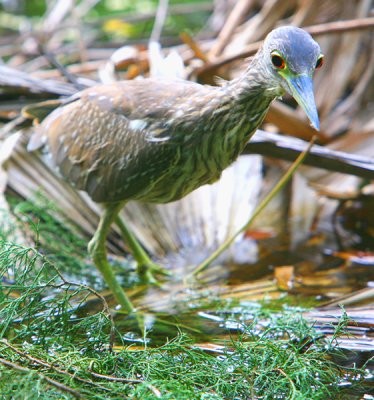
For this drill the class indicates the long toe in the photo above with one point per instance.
(149, 271)
(158, 269)
(147, 277)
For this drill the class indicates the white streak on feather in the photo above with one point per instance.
(179, 113)
(137, 124)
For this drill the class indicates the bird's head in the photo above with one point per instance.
(291, 56)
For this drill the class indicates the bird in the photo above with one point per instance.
(156, 140)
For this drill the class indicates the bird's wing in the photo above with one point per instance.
(110, 141)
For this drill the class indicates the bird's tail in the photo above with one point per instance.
(37, 113)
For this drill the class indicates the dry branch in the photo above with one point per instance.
(322, 29)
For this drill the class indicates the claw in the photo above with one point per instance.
(157, 269)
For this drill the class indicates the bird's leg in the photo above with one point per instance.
(146, 267)
(97, 250)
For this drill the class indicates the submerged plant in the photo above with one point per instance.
(59, 339)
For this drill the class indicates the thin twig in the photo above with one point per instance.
(64, 71)
(293, 387)
(194, 46)
(51, 381)
(114, 378)
(321, 29)
(236, 16)
(341, 26)
(94, 292)
(50, 366)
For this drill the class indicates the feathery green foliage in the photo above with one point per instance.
(54, 345)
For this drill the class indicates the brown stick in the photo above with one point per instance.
(51, 381)
(50, 366)
(235, 17)
(114, 378)
(194, 46)
(328, 28)
(341, 26)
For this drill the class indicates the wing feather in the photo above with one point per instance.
(101, 140)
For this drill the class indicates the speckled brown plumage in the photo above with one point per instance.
(150, 140)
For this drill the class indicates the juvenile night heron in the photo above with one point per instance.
(156, 140)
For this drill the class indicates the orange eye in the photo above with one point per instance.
(319, 62)
(278, 61)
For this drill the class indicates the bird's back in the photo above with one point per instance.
(105, 140)
(150, 140)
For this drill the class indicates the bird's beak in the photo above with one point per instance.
(302, 91)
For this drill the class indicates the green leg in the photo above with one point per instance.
(145, 265)
(97, 250)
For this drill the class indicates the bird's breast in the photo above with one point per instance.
(204, 155)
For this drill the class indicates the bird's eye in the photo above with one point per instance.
(278, 61)
(319, 62)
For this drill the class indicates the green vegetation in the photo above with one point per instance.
(60, 337)
(113, 19)
(60, 340)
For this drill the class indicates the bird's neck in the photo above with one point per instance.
(254, 84)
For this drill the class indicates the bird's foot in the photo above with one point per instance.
(149, 270)
(158, 269)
